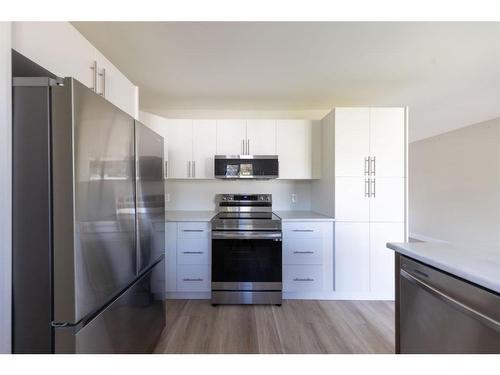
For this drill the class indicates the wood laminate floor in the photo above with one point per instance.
(298, 326)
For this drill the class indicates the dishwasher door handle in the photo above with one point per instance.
(490, 322)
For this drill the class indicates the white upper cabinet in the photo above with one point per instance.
(57, 47)
(352, 141)
(191, 148)
(295, 149)
(204, 148)
(387, 141)
(62, 50)
(192, 144)
(261, 137)
(160, 126)
(180, 148)
(231, 137)
(115, 87)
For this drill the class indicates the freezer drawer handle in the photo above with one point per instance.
(192, 252)
(193, 230)
(198, 279)
(59, 325)
(303, 279)
(304, 252)
(303, 230)
(490, 322)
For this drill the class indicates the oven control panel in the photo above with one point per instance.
(242, 198)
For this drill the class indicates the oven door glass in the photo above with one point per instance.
(246, 260)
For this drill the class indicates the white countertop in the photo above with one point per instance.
(479, 265)
(189, 215)
(208, 215)
(302, 216)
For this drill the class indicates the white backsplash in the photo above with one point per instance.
(200, 194)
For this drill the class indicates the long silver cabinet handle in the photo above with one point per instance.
(374, 163)
(248, 146)
(302, 230)
(373, 191)
(243, 147)
(189, 169)
(367, 166)
(303, 252)
(490, 322)
(103, 79)
(193, 230)
(166, 168)
(192, 252)
(367, 187)
(94, 76)
(303, 279)
(194, 168)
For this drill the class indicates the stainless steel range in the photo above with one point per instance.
(246, 251)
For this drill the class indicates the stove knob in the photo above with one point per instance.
(224, 198)
(268, 198)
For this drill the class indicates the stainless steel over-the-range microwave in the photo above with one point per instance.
(262, 167)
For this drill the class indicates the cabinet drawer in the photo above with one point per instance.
(302, 251)
(193, 278)
(193, 251)
(302, 230)
(194, 230)
(302, 278)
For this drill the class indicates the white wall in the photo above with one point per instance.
(454, 186)
(5, 187)
(199, 195)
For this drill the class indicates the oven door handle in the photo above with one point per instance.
(245, 235)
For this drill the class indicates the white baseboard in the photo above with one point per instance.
(326, 296)
(188, 295)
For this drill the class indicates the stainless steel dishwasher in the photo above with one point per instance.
(440, 313)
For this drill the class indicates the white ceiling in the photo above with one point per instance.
(447, 73)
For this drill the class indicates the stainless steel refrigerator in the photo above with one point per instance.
(88, 223)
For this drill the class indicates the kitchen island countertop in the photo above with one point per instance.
(478, 264)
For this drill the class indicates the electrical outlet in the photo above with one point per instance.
(294, 198)
(167, 197)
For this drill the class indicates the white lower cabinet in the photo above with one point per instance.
(302, 278)
(193, 277)
(382, 258)
(302, 251)
(364, 267)
(307, 258)
(352, 257)
(193, 251)
(188, 256)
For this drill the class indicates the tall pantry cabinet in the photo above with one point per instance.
(368, 201)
